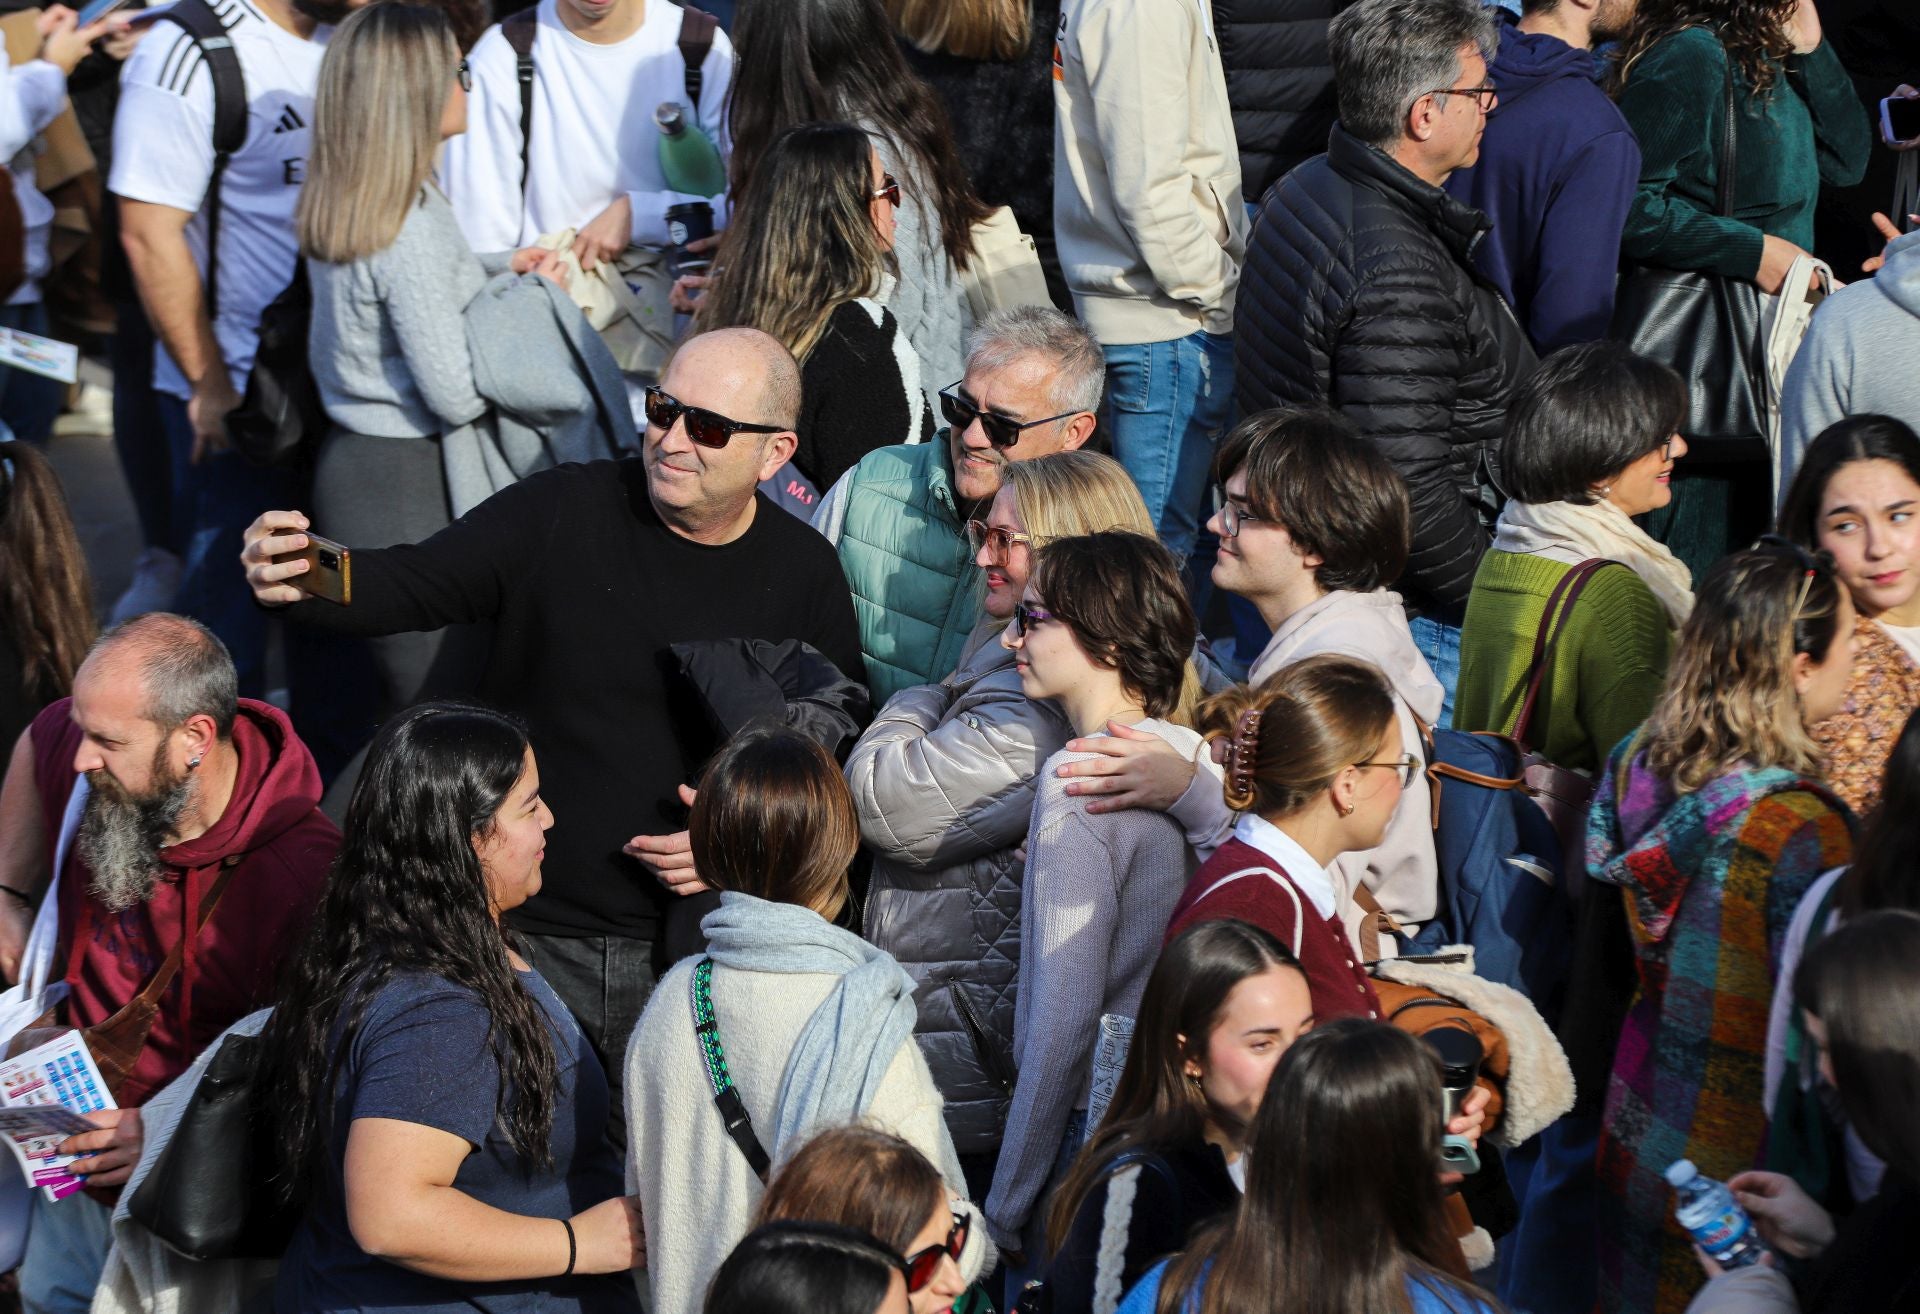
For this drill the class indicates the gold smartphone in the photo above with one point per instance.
(329, 572)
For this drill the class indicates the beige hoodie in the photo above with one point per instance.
(1402, 872)
(1146, 182)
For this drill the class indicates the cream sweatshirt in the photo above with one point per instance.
(1147, 208)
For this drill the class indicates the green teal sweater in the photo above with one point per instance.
(1809, 129)
(1607, 667)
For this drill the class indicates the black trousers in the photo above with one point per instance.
(605, 981)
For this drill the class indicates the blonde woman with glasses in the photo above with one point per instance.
(1713, 821)
(391, 277)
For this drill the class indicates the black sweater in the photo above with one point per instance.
(852, 396)
(587, 588)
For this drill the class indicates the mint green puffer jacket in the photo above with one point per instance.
(902, 541)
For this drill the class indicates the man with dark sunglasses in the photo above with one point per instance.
(589, 574)
(1033, 382)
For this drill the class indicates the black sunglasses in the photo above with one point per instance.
(1001, 432)
(465, 76)
(1025, 618)
(708, 428)
(919, 1267)
(890, 189)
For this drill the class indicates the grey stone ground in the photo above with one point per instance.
(82, 452)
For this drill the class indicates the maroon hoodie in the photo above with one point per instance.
(281, 846)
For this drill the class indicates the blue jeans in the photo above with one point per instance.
(1437, 636)
(1168, 403)
(1016, 1279)
(66, 1249)
(29, 402)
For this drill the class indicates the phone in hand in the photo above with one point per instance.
(329, 572)
(1899, 120)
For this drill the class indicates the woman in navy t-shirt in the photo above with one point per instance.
(438, 1111)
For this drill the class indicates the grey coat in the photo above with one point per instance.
(555, 391)
(943, 783)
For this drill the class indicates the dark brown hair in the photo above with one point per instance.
(1883, 873)
(1586, 414)
(46, 594)
(1311, 471)
(1753, 32)
(1154, 1106)
(1343, 1206)
(1122, 596)
(857, 1177)
(1863, 982)
(1854, 439)
(1293, 733)
(798, 61)
(773, 819)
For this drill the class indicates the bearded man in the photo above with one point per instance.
(200, 811)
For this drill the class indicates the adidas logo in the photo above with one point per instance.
(289, 120)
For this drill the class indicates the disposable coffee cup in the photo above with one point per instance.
(688, 222)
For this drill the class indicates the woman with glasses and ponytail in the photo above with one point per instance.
(1713, 821)
(1104, 632)
(808, 258)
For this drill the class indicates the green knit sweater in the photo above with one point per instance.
(1607, 668)
(1809, 129)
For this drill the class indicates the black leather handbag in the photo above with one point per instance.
(1708, 328)
(280, 420)
(208, 1195)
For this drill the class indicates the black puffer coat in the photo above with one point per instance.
(1279, 83)
(1358, 292)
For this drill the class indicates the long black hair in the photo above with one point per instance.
(797, 61)
(407, 893)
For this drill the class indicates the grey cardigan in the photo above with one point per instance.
(388, 345)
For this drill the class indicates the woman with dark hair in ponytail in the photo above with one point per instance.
(46, 599)
(436, 1108)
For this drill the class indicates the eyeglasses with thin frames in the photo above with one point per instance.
(1405, 766)
(1232, 518)
(1486, 95)
(997, 542)
(463, 75)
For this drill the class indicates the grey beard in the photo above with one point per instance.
(120, 839)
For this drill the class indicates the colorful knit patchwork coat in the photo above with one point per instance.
(1710, 879)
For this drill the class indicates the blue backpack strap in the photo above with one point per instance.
(229, 116)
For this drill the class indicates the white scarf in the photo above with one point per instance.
(1599, 530)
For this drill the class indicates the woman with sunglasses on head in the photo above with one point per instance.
(1224, 1001)
(1343, 1210)
(1856, 496)
(1103, 630)
(1713, 821)
(873, 1181)
(808, 258)
(392, 277)
(943, 782)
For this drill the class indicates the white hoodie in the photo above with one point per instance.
(1402, 872)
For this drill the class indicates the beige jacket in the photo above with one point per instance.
(1402, 872)
(1146, 182)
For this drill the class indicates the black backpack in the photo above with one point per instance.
(280, 419)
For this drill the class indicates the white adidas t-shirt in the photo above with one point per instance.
(163, 153)
(593, 130)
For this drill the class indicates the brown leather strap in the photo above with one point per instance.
(1372, 923)
(1552, 622)
(169, 968)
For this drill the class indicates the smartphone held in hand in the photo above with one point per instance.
(329, 572)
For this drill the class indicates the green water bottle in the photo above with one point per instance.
(687, 157)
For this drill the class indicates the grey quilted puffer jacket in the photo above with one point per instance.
(943, 783)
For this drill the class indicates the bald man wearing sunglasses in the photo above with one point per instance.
(899, 518)
(589, 574)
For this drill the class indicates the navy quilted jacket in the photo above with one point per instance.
(1358, 292)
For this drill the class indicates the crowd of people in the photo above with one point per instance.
(902, 656)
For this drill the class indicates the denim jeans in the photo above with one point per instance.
(1437, 636)
(1016, 1279)
(1168, 403)
(66, 1249)
(605, 982)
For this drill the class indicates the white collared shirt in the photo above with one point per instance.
(1313, 880)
